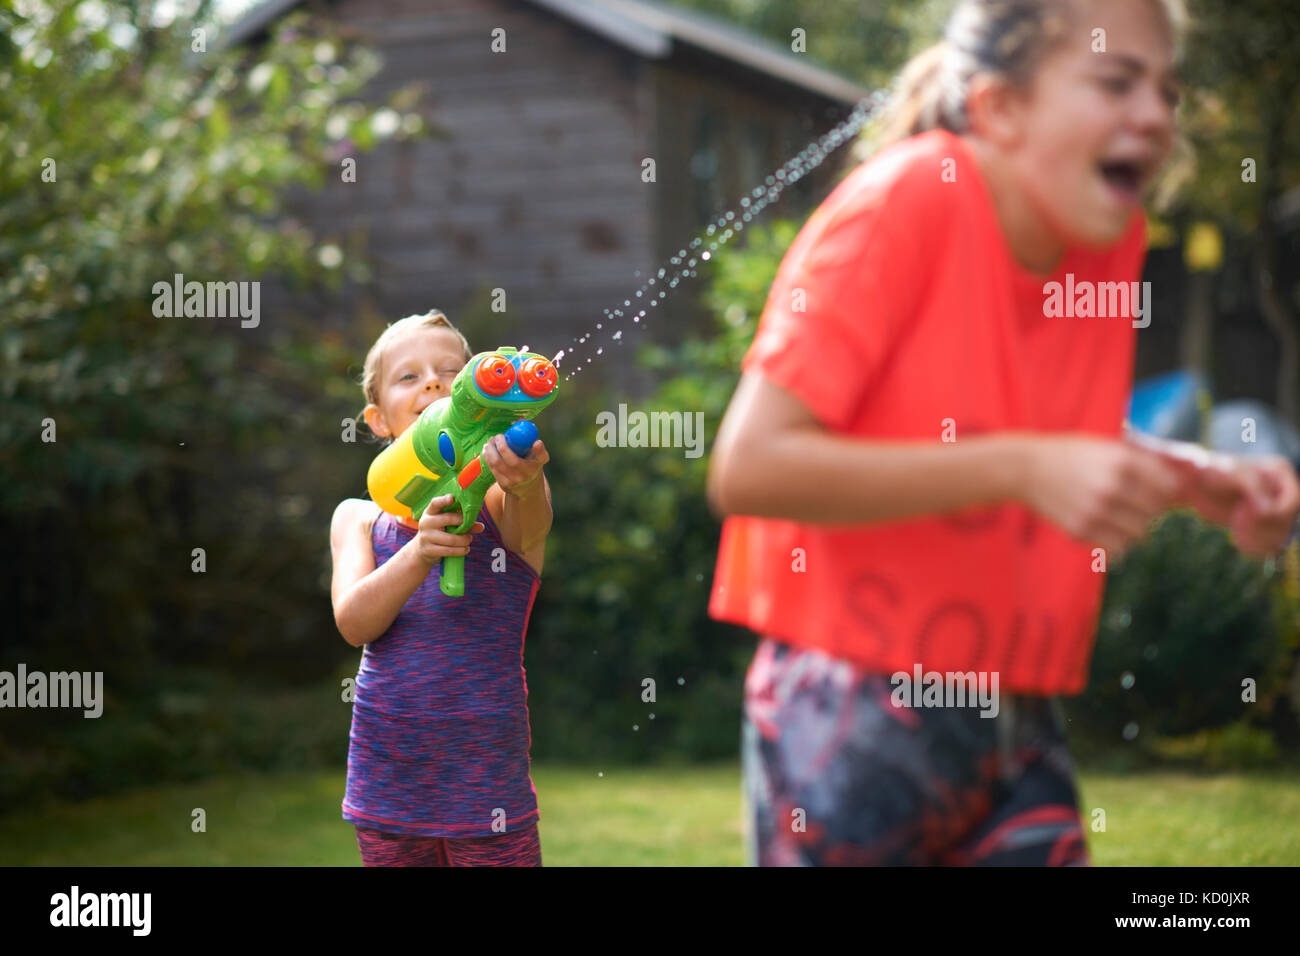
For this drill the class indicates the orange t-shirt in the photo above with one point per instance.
(916, 318)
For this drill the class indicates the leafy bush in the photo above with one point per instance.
(131, 158)
(1186, 619)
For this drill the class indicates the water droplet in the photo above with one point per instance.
(636, 726)
(599, 351)
(618, 334)
(1126, 680)
(705, 255)
(681, 681)
(1131, 730)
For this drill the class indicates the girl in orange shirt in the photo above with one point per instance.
(923, 610)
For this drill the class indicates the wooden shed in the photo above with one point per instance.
(538, 189)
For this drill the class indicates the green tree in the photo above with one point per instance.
(138, 148)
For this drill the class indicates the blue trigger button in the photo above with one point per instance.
(520, 437)
(446, 448)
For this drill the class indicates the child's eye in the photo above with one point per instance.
(1119, 85)
(406, 376)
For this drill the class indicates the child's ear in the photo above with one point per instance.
(376, 421)
(996, 110)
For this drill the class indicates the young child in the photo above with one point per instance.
(438, 755)
(954, 475)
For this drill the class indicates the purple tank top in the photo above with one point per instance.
(439, 741)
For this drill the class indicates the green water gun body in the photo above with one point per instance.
(496, 393)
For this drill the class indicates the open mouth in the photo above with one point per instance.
(1125, 177)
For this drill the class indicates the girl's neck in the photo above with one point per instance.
(1033, 243)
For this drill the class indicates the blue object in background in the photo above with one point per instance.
(1252, 428)
(1167, 406)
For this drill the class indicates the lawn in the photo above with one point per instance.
(623, 817)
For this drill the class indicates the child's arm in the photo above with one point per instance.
(520, 500)
(772, 458)
(367, 600)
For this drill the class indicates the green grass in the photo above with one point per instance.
(1184, 819)
(628, 817)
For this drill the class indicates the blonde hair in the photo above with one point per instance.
(373, 368)
(1006, 38)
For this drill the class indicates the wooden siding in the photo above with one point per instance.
(537, 188)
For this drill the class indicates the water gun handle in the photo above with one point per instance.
(520, 437)
(452, 578)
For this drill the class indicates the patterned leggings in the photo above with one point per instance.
(380, 848)
(836, 774)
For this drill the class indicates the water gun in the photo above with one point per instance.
(496, 393)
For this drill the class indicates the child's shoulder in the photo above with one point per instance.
(354, 515)
(902, 187)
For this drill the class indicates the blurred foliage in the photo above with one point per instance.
(180, 724)
(171, 433)
(864, 40)
(1187, 619)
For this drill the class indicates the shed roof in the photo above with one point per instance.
(651, 30)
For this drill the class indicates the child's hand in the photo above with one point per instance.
(433, 542)
(1255, 497)
(516, 476)
(1098, 490)
(1262, 522)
